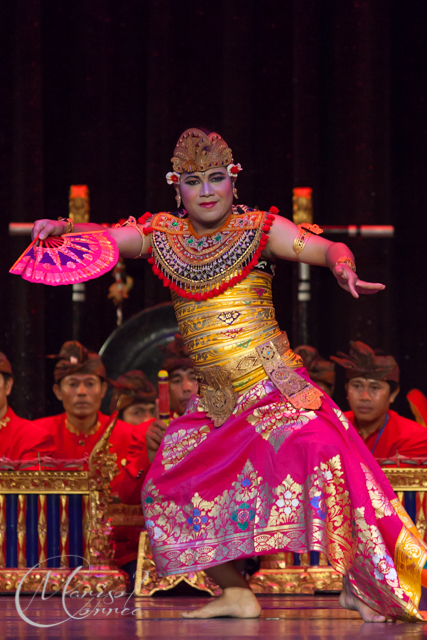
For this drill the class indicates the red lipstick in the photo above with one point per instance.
(208, 205)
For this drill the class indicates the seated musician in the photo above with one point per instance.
(80, 384)
(321, 371)
(147, 437)
(418, 403)
(19, 439)
(137, 397)
(372, 386)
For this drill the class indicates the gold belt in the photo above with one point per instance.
(247, 363)
(274, 359)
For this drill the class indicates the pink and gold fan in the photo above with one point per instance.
(67, 259)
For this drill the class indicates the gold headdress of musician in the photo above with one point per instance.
(199, 151)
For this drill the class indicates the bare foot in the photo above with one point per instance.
(348, 600)
(235, 602)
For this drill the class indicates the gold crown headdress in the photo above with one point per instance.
(198, 151)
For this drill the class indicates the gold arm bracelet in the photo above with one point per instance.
(305, 229)
(131, 222)
(300, 240)
(348, 261)
(70, 228)
(142, 243)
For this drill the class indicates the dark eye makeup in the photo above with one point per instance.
(192, 182)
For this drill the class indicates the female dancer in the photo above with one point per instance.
(262, 461)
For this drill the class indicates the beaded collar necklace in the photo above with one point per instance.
(201, 267)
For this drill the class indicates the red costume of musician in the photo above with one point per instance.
(135, 398)
(134, 473)
(400, 435)
(182, 385)
(19, 439)
(372, 385)
(80, 385)
(69, 444)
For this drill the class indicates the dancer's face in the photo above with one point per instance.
(207, 196)
(369, 399)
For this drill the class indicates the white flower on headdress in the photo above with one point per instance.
(233, 170)
(172, 177)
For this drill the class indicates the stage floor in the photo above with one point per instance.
(302, 617)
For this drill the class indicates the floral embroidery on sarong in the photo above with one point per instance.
(329, 494)
(247, 483)
(278, 421)
(251, 397)
(243, 515)
(373, 576)
(341, 417)
(179, 444)
(313, 494)
(384, 567)
(252, 517)
(371, 546)
(199, 518)
(380, 502)
(287, 507)
(193, 405)
(410, 554)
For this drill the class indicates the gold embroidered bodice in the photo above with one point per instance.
(223, 304)
(224, 331)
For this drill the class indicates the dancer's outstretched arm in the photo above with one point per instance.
(128, 239)
(317, 251)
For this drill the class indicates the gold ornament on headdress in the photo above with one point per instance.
(197, 151)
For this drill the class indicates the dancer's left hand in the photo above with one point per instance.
(349, 281)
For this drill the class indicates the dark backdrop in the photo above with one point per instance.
(323, 93)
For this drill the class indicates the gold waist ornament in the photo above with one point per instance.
(234, 341)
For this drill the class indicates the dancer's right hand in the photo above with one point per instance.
(49, 228)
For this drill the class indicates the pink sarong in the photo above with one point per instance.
(273, 479)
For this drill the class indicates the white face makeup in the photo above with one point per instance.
(207, 196)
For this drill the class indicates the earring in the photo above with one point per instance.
(235, 193)
(178, 199)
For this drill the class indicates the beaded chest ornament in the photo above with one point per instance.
(202, 267)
